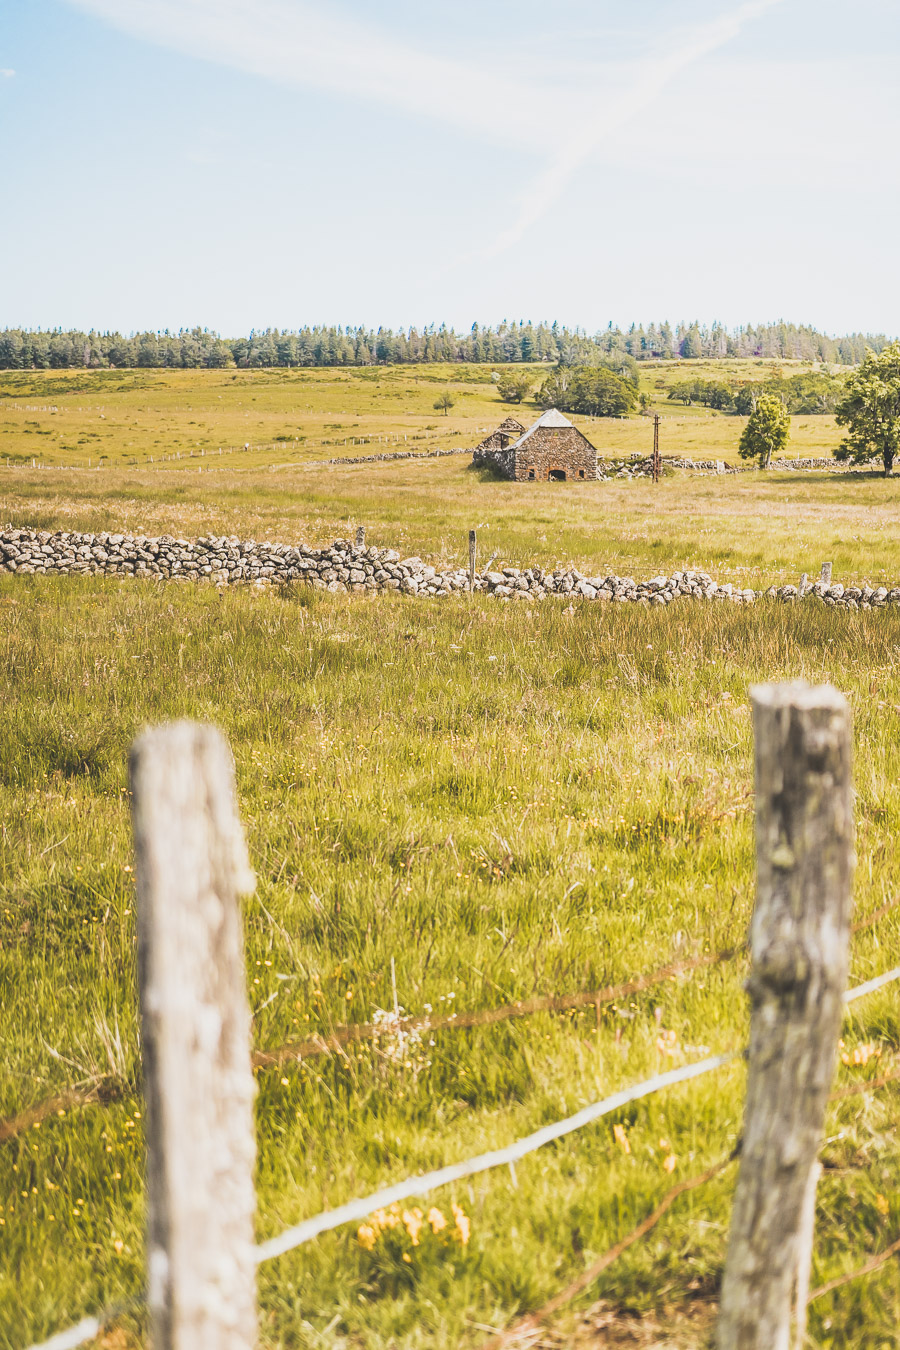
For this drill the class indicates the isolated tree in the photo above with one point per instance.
(513, 387)
(870, 409)
(445, 402)
(767, 430)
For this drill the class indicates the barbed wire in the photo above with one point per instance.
(353, 1210)
(109, 1088)
(587, 1277)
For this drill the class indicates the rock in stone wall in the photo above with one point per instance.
(350, 567)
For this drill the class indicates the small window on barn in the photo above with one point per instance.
(581, 473)
(557, 475)
(531, 473)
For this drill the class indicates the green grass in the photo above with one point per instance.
(123, 417)
(507, 801)
(755, 528)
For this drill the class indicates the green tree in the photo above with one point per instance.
(445, 402)
(512, 387)
(692, 343)
(870, 409)
(593, 390)
(767, 430)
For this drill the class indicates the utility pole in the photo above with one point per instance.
(656, 447)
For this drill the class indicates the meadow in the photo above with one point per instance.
(120, 418)
(506, 802)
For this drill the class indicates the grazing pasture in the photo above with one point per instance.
(123, 417)
(506, 801)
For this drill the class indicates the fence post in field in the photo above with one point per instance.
(472, 546)
(191, 864)
(799, 939)
(360, 536)
(826, 574)
(804, 584)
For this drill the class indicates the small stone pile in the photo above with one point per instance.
(846, 597)
(533, 583)
(643, 467)
(387, 454)
(346, 566)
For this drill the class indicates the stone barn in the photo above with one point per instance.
(508, 431)
(551, 450)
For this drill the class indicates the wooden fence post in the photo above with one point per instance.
(472, 546)
(360, 536)
(825, 578)
(191, 865)
(804, 584)
(799, 941)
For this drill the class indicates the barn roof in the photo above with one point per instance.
(510, 424)
(551, 418)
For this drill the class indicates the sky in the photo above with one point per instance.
(243, 164)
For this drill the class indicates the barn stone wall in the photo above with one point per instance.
(550, 450)
(504, 460)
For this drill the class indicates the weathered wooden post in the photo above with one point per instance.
(799, 940)
(472, 547)
(804, 584)
(360, 536)
(191, 865)
(825, 578)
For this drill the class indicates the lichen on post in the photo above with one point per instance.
(799, 941)
(191, 865)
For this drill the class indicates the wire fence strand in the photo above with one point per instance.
(355, 1210)
(533, 1320)
(430, 1181)
(86, 1330)
(109, 1088)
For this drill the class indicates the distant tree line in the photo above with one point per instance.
(813, 392)
(25, 349)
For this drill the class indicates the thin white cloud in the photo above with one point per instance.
(297, 42)
(651, 79)
(6, 73)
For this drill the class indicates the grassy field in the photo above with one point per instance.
(121, 418)
(753, 528)
(505, 800)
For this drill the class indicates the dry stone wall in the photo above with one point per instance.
(345, 566)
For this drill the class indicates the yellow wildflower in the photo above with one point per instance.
(882, 1206)
(366, 1236)
(861, 1054)
(621, 1138)
(436, 1219)
(463, 1229)
(412, 1221)
(670, 1162)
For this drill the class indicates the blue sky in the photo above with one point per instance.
(241, 163)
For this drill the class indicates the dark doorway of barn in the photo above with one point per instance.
(557, 475)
